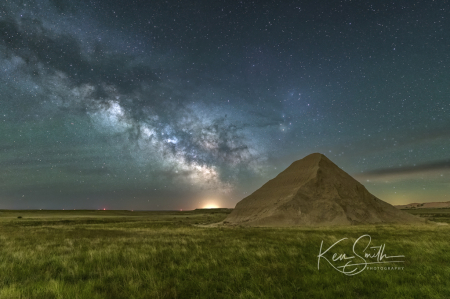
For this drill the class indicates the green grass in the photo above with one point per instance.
(124, 254)
(433, 214)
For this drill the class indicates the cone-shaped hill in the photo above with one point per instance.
(314, 191)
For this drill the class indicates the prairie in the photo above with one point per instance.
(171, 254)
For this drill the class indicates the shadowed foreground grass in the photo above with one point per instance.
(122, 254)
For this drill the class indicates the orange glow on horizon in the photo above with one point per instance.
(210, 206)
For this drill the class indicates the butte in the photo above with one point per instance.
(314, 191)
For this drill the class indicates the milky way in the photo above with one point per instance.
(131, 105)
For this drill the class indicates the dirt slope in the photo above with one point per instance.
(314, 191)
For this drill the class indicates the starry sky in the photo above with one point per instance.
(188, 104)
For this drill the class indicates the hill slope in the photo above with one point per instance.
(314, 191)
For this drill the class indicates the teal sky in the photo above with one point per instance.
(151, 105)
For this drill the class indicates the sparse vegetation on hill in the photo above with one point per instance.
(314, 191)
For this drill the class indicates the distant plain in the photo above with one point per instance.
(173, 254)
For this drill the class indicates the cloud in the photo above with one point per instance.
(41, 47)
(431, 169)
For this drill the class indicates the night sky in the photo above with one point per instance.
(160, 105)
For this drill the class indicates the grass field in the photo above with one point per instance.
(437, 215)
(124, 254)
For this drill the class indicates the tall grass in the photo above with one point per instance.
(118, 254)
